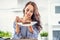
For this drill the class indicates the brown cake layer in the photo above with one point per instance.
(26, 22)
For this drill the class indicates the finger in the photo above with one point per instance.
(17, 18)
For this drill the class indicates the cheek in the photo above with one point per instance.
(31, 14)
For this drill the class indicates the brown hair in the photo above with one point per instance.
(35, 16)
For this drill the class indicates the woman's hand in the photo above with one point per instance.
(30, 29)
(18, 19)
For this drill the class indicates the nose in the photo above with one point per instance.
(28, 12)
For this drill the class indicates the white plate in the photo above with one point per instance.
(32, 23)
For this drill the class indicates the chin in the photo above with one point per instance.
(29, 17)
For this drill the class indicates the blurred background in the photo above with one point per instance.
(9, 9)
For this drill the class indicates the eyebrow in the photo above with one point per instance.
(32, 10)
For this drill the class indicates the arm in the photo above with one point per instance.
(17, 33)
(32, 32)
(16, 25)
(17, 29)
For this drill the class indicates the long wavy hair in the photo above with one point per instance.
(35, 16)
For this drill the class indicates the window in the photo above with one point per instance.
(57, 9)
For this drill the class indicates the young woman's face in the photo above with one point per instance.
(29, 11)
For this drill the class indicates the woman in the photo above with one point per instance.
(30, 14)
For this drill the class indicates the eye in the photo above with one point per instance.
(31, 11)
(27, 10)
